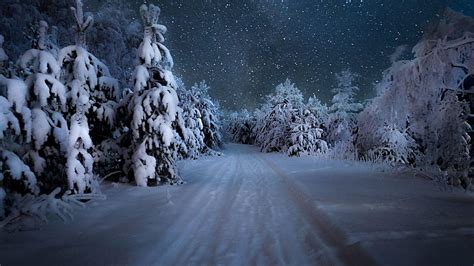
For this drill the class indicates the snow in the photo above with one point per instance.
(39, 163)
(166, 133)
(7, 119)
(16, 92)
(141, 77)
(149, 51)
(79, 161)
(144, 166)
(40, 127)
(18, 170)
(42, 89)
(247, 208)
(43, 62)
(61, 131)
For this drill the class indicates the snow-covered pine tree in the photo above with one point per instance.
(240, 127)
(15, 175)
(115, 36)
(210, 115)
(342, 113)
(3, 55)
(15, 130)
(274, 127)
(46, 98)
(319, 110)
(156, 122)
(92, 96)
(192, 120)
(306, 135)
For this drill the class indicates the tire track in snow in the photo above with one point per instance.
(288, 231)
(332, 236)
(188, 227)
(229, 193)
(265, 244)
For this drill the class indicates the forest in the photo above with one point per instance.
(89, 100)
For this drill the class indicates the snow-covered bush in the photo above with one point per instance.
(37, 209)
(306, 135)
(396, 146)
(427, 99)
(210, 115)
(156, 123)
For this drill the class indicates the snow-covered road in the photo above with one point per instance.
(249, 208)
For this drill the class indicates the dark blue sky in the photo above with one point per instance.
(244, 48)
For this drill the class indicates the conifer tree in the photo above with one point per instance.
(156, 123)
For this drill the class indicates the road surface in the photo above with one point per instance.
(249, 208)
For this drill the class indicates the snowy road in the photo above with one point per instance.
(248, 208)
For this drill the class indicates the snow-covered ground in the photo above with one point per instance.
(248, 208)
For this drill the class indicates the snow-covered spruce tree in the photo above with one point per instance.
(29, 137)
(306, 135)
(240, 127)
(15, 130)
(15, 175)
(192, 120)
(274, 127)
(210, 113)
(319, 110)
(45, 97)
(3, 55)
(156, 123)
(92, 96)
(428, 98)
(342, 113)
(113, 39)
(115, 36)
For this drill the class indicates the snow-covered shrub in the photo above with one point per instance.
(155, 120)
(210, 115)
(427, 99)
(396, 146)
(240, 127)
(91, 102)
(27, 210)
(306, 135)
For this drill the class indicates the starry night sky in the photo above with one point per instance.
(245, 48)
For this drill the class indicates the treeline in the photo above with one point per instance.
(67, 124)
(421, 116)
